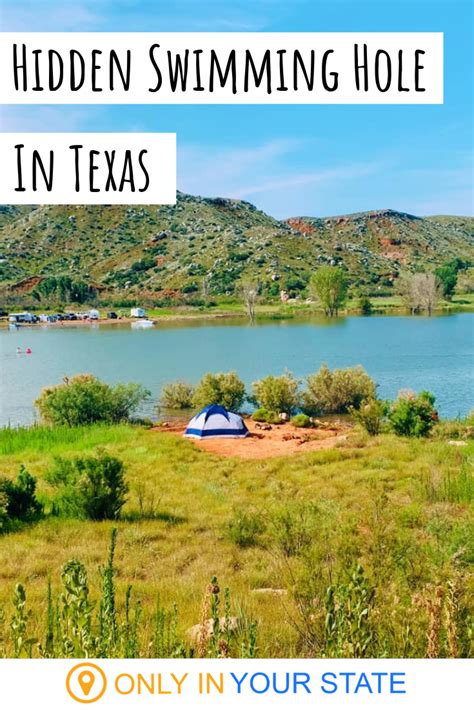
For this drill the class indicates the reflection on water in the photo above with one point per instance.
(397, 351)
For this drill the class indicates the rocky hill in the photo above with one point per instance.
(168, 251)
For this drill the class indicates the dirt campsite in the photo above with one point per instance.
(268, 440)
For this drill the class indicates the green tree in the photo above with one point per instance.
(329, 285)
(448, 278)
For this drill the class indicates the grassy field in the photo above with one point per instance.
(401, 508)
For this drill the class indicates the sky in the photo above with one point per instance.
(288, 160)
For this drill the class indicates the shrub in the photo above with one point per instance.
(337, 391)
(91, 487)
(260, 415)
(413, 414)
(295, 528)
(263, 415)
(224, 388)
(365, 306)
(84, 399)
(18, 500)
(301, 420)
(370, 415)
(244, 528)
(177, 395)
(277, 394)
(4, 519)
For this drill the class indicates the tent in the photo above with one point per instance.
(216, 421)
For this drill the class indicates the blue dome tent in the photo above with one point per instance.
(215, 420)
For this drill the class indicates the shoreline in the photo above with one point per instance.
(383, 307)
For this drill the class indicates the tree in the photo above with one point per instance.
(421, 292)
(64, 290)
(329, 285)
(206, 287)
(250, 295)
(448, 278)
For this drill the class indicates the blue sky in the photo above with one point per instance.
(288, 160)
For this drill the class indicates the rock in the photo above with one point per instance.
(271, 592)
(456, 442)
(263, 427)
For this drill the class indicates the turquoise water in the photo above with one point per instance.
(398, 352)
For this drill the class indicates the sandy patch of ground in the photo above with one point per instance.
(263, 443)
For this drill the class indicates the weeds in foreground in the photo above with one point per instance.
(78, 627)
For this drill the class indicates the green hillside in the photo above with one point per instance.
(166, 251)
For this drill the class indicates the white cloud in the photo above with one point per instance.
(263, 174)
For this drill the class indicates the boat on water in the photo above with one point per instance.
(143, 323)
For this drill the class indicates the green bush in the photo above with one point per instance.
(224, 388)
(365, 306)
(244, 528)
(413, 414)
(371, 415)
(337, 391)
(18, 501)
(260, 415)
(295, 527)
(301, 420)
(177, 395)
(84, 399)
(90, 487)
(277, 394)
(263, 415)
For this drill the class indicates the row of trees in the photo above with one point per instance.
(329, 286)
(64, 289)
(85, 400)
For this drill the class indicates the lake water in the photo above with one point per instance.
(398, 352)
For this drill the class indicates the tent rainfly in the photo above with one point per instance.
(214, 421)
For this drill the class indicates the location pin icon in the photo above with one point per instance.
(86, 680)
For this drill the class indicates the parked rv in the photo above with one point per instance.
(137, 313)
(22, 318)
(94, 314)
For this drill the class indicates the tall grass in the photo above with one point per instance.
(79, 627)
(44, 438)
(450, 486)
